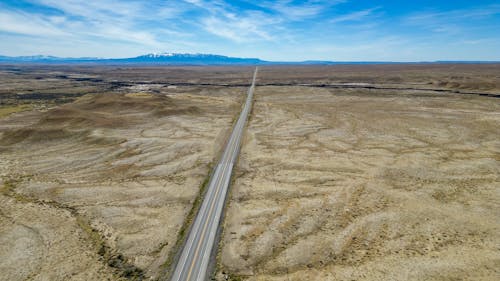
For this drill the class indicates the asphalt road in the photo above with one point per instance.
(195, 256)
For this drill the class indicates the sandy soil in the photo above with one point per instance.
(99, 189)
(365, 185)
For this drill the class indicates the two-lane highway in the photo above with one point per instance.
(194, 260)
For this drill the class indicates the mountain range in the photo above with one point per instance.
(154, 58)
(178, 59)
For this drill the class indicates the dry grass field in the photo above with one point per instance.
(367, 172)
(366, 184)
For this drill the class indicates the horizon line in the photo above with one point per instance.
(79, 60)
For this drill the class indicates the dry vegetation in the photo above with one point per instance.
(357, 184)
(99, 186)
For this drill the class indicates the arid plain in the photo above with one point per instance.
(380, 172)
(100, 185)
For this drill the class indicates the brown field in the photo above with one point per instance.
(383, 172)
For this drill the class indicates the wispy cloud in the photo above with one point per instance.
(28, 24)
(280, 29)
(476, 13)
(244, 29)
(300, 10)
(105, 19)
(355, 16)
(223, 20)
(452, 21)
(94, 9)
(265, 21)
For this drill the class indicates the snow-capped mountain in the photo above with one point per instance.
(198, 59)
(159, 55)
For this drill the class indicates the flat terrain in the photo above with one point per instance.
(359, 184)
(348, 172)
(462, 78)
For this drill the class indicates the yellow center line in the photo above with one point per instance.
(224, 162)
(193, 261)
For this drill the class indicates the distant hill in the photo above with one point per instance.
(40, 58)
(185, 59)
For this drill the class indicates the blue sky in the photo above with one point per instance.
(340, 30)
